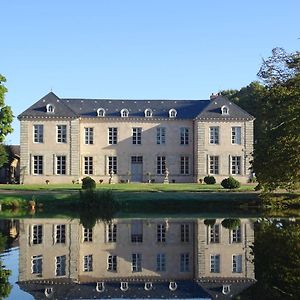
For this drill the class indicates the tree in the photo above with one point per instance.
(6, 115)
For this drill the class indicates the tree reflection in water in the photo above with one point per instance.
(5, 286)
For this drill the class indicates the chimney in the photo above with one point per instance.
(213, 96)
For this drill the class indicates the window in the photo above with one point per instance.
(88, 165)
(112, 136)
(61, 133)
(214, 135)
(50, 108)
(101, 112)
(61, 165)
(235, 165)
(185, 233)
(236, 133)
(214, 165)
(172, 113)
(184, 262)
(87, 234)
(161, 233)
(136, 231)
(184, 136)
(160, 165)
(137, 136)
(225, 110)
(111, 231)
(60, 263)
(124, 113)
(215, 263)
(215, 233)
(161, 262)
(237, 263)
(236, 236)
(60, 234)
(37, 234)
(37, 164)
(89, 135)
(112, 263)
(38, 133)
(160, 135)
(136, 262)
(88, 263)
(37, 264)
(148, 112)
(184, 165)
(112, 164)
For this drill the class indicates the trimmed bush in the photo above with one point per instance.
(209, 179)
(210, 222)
(231, 223)
(88, 183)
(230, 183)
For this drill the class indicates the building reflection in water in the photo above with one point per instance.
(135, 258)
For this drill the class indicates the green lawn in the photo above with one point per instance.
(131, 187)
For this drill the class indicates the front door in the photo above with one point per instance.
(136, 168)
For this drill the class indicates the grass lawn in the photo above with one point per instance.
(131, 187)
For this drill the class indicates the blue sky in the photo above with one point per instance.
(138, 49)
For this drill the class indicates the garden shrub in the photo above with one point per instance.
(210, 222)
(230, 183)
(209, 179)
(231, 223)
(88, 183)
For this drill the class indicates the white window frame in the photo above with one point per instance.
(61, 164)
(124, 113)
(225, 110)
(161, 262)
(184, 262)
(185, 233)
(111, 233)
(214, 135)
(101, 112)
(87, 234)
(214, 164)
(137, 135)
(112, 164)
(148, 112)
(88, 165)
(236, 165)
(184, 136)
(214, 234)
(160, 165)
(184, 165)
(236, 235)
(215, 262)
(112, 135)
(60, 265)
(61, 133)
(172, 113)
(37, 265)
(38, 133)
(50, 108)
(112, 263)
(237, 263)
(37, 234)
(88, 263)
(236, 135)
(88, 135)
(136, 262)
(60, 234)
(37, 164)
(160, 135)
(161, 233)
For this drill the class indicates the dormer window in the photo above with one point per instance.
(124, 286)
(101, 112)
(124, 113)
(50, 108)
(225, 110)
(148, 113)
(172, 286)
(172, 113)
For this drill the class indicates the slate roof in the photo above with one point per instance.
(186, 289)
(87, 108)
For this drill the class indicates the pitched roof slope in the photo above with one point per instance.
(87, 108)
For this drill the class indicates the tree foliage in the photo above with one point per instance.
(6, 115)
(275, 103)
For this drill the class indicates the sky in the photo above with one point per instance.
(137, 49)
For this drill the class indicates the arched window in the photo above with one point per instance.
(172, 286)
(100, 287)
(50, 108)
(124, 286)
(148, 112)
(148, 286)
(101, 112)
(225, 110)
(124, 113)
(172, 113)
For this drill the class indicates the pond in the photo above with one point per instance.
(161, 257)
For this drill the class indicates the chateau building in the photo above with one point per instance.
(64, 140)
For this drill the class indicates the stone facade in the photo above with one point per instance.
(184, 145)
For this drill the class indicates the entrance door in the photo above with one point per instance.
(136, 168)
